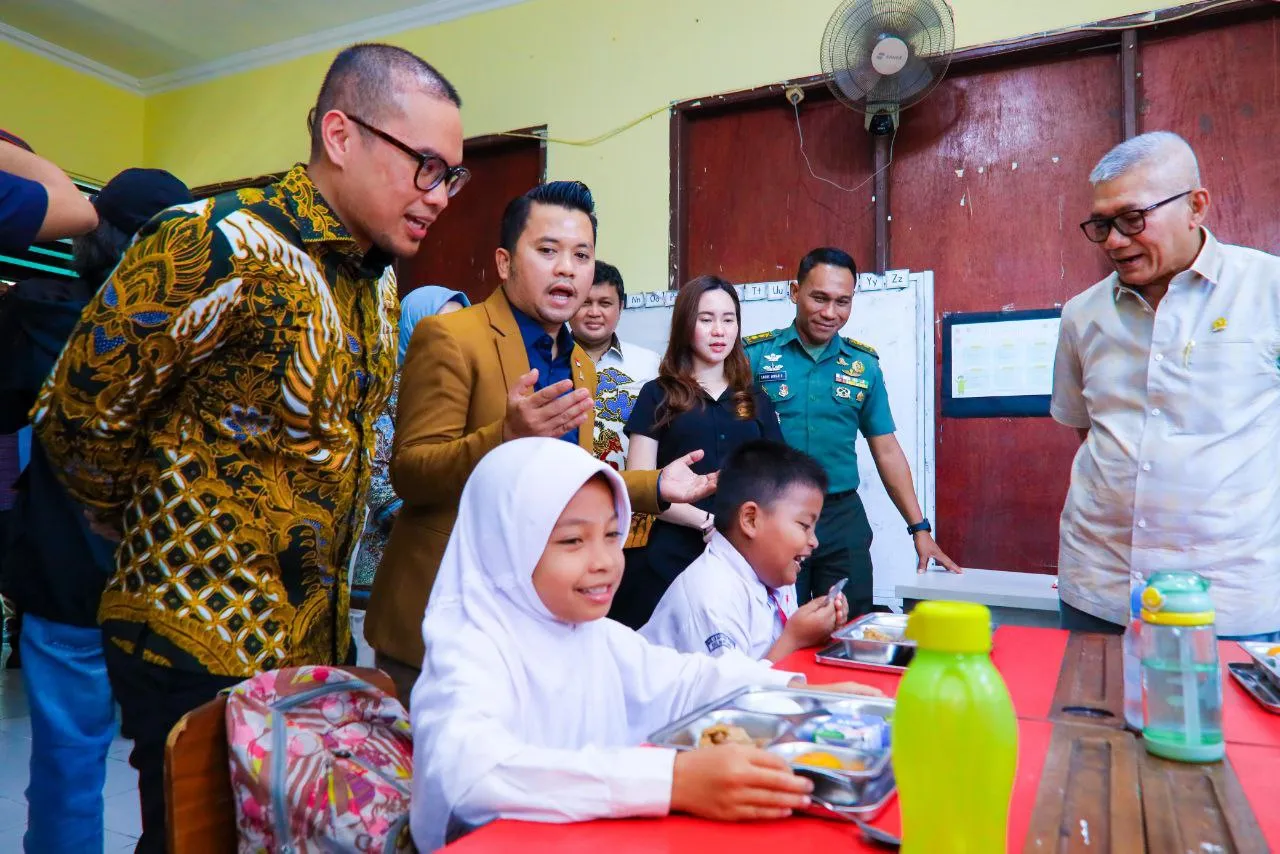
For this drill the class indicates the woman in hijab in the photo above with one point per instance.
(531, 705)
(420, 303)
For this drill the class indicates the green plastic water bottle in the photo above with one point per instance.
(955, 736)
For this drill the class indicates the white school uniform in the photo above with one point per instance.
(719, 604)
(519, 715)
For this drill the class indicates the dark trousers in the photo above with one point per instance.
(639, 591)
(844, 551)
(403, 676)
(152, 699)
(1074, 620)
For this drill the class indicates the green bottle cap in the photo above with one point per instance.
(950, 626)
(1177, 599)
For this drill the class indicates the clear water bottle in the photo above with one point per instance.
(1133, 654)
(1181, 682)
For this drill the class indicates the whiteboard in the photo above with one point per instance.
(899, 324)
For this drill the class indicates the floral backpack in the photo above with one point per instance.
(321, 761)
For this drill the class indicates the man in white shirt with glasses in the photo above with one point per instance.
(1170, 370)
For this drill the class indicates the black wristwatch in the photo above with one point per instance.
(922, 525)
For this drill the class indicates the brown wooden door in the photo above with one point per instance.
(458, 250)
(752, 206)
(989, 179)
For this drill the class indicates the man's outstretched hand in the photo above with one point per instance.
(681, 486)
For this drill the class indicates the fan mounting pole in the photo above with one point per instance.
(881, 144)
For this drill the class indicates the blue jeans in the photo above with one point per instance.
(73, 720)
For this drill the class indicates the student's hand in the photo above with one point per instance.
(814, 621)
(681, 486)
(849, 688)
(926, 548)
(549, 413)
(734, 782)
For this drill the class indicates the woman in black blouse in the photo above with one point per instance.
(703, 399)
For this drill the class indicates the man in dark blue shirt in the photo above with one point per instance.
(550, 357)
(37, 200)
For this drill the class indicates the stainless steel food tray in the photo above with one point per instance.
(774, 716)
(1256, 685)
(839, 655)
(1268, 665)
(895, 652)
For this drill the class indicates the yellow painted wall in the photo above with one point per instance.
(90, 128)
(579, 66)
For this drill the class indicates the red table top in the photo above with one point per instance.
(1027, 658)
(679, 834)
(1244, 721)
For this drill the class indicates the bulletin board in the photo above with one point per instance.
(998, 364)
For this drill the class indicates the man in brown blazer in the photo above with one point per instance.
(507, 368)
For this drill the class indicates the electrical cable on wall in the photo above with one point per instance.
(1147, 19)
(595, 140)
(795, 105)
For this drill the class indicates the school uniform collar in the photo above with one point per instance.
(722, 550)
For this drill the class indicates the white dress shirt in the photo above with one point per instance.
(718, 604)
(620, 373)
(1181, 467)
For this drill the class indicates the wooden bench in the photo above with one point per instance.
(200, 812)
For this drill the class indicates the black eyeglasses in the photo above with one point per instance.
(432, 170)
(1128, 223)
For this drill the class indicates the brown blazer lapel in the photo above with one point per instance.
(584, 376)
(507, 338)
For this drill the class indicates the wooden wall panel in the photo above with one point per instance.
(988, 184)
(1220, 88)
(752, 208)
(458, 250)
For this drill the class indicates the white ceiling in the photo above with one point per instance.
(159, 44)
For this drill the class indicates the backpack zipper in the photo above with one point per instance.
(279, 767)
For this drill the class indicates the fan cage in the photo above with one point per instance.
(927, 27)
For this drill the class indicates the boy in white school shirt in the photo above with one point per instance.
(740, 593)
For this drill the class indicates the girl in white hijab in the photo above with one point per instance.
(531, 705)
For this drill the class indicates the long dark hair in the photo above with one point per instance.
(681, 390)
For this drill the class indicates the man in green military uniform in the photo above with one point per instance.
(826, 388)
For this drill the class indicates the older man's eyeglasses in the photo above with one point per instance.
(1128, 223)
(432, 170)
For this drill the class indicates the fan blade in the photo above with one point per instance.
(915, 80)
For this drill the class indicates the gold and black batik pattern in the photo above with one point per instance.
(217, 401)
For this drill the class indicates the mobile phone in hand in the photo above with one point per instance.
(836, 588)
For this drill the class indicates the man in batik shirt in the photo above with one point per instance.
(215, 406)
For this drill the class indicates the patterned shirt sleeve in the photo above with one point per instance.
(160, 313)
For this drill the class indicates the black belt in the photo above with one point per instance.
(836, 496)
